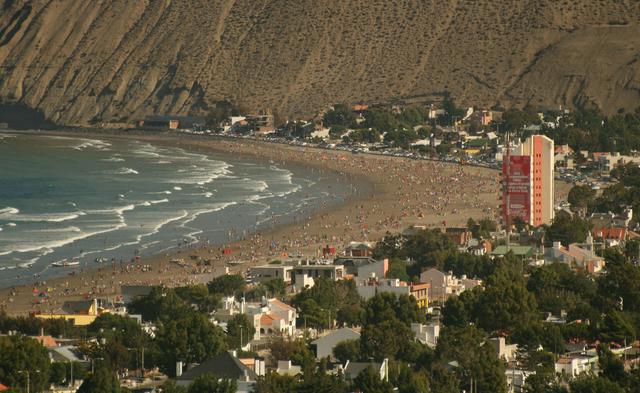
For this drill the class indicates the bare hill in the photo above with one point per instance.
(82, 61)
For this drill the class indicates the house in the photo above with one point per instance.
(280, 318)
(224, 366)
(272, 271)
(352, 264)
(516, 379)
(370, 288)
(65, 354)
(171, 122)
(324, 345)
(332, 272)
(353, 369)
(426, 333)
(129, 293)
(613, 236)
(360, 249)
(377, 269)
(609, 219)
(576, 256)
(81, 313)
(286, 368)
(502, 349)
(458, 236)
(442, 286)
(3, 388)
(262, 122)
(573, 365)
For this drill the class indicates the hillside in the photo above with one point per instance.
(87, 61)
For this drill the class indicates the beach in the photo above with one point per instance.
(388, 195)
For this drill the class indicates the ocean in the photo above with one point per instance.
(92, 200)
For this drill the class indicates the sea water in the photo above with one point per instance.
(68, 198)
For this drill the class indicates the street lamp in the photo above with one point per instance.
(92, 364)
(28, 378)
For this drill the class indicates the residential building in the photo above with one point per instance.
(524, 252)
(261, 122)
(352, 264)
(576, 256)
(272, 271)
(443, 285)
(171, 122)
(81, 313)
(323, 346)
(427, 334)
(226, 365)
(360, 249)
(502, 349)
(129, 293)
(609, 219)
(516, 379)
(459, 236)
(377, 269)
(332, 272)
(572, 365)
(369, 288)
(286, 368)
(353, 369)
(528, 182)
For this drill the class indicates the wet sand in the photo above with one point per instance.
(399, 192)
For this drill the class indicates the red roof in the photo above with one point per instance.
(266, 320)
(3, 388)
(611, 233)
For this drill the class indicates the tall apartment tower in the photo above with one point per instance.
(528, 190)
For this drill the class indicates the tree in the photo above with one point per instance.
(103, 380)
(209, 383)
(227, 285)
(171, 387)
(240, 331)
(387, 339)
(276, 287)
(191, 338)
(287, 348)
(348, 350)
(567, 229)
(19, 356)
(275, 383)
(409, 381)
(340, 115)
(581, 196)
(594, 384)
(369, 381)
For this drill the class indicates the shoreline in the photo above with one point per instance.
(401, 192)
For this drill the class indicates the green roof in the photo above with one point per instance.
(524, 251)
(478, 142)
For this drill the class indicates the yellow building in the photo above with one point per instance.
(81, 313)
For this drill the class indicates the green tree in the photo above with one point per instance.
(209, 383)
(275, 383)
(240, 331)
(567, 229)
(192, 339)
(171, 387)
(581, 196)
(227, 285)
(103, 380)
(369, 381)
(594, 384)
(348, 350)
(340, 115)
(21, 356)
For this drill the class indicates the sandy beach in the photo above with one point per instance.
(399, 192)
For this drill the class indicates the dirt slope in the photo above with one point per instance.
(82, 61)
